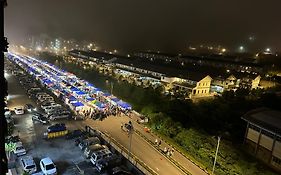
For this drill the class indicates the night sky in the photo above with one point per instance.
(165, 25)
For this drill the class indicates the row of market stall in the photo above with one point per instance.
(79, 94)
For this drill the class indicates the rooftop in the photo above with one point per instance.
(265, 118)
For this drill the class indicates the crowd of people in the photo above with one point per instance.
(95, 113)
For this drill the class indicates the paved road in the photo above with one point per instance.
(147, 153)
(177, 156)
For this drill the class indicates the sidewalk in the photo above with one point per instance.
(178, 158)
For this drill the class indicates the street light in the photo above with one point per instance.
(219, 138)
(241, 48)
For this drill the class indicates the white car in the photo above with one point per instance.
(48, 167)
(19, 149)
(19, 110)
(28, 164)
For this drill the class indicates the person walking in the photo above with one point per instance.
(159, 143)
(156, 142)
(165, 150)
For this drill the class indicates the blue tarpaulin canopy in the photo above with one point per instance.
(124, 105)
(74, 89)
(90, 98)
(91, 85)
(47, 81)
(100, 105)
(77, 104)
(97, 89)
(72, 98)
(115, 99)
(106, 94)
(80, 92)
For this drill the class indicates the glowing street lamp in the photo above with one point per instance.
(241, 48)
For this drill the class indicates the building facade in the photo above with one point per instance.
(263, 136)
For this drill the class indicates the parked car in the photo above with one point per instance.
(19, 110)
(90, 141)
(28, 165)
(108, 162)
(74, 134)
(30, 108)
(89, 150)
(48, 167)
(61, 115)
(40, 118)
(56, 127)
(47, 104)
(51, 109)
(100, 155)
(80, 139)
(19, 149)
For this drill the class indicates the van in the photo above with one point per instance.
(89, 141)
(100, 155)
(89, 150)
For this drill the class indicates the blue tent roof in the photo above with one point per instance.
(106, 94)
(74, 89)
(124, 105)
(97, 89)
(80, 92)
(77, 104)
(90, 99)
(100, 105)
(115, 99)
(89, 84)
(72, 98)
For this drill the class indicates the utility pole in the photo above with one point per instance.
(219, 138)
(3, 122)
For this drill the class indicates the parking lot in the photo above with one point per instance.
(63, 152)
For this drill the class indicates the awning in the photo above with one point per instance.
(80, 93)
(77, 104)
(90, 99)
(124, 105)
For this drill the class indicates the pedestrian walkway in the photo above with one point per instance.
(175, 156)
